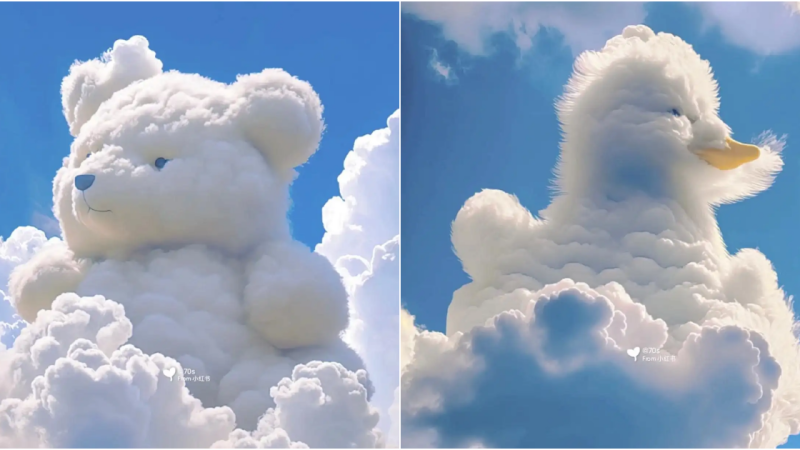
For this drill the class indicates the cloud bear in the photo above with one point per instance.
(173, 203)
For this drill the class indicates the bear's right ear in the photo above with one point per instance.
(91, 83)
(280, 115)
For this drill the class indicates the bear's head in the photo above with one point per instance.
(163, 159)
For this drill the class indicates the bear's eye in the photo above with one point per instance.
(88, 155)
(160, 163)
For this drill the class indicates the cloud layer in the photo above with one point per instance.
(176, 310)
(628, 256)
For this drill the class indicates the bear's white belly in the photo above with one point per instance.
(186, 304)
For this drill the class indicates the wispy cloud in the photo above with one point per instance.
(443, 70)
(764, 28)
(583, 25)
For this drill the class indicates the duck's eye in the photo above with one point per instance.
(88, 155)
(160, 162)
(676, 113)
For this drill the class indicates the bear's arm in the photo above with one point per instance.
(294, 297)
(51, 272)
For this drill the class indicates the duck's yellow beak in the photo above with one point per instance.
(734, 155)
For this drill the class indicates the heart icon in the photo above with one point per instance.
(171, 371)
(633, 352)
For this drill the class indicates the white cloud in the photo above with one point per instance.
(628, 254)
(322, 405)
(765, 28)
(77, 384)
(442, 69)
(408, 334)
(362, 240)
(176, 253)
(70, 382)
(20, 246)
(583, 26)
(90, 83)
(567, 355)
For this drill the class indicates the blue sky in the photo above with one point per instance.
(321, 43)
(478, 113)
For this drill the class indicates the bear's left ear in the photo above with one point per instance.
(90, 83)
(280, 115)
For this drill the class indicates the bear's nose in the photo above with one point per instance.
(84, 182)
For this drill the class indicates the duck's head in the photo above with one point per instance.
(642, 116)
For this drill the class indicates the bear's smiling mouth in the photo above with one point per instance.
(90, 206)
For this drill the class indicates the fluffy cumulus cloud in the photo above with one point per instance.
(70, 381)
(626, 262)
(765, 28)
(362, 240)
(322, 405)
(583, 26)
(20, 246)
(176, 310)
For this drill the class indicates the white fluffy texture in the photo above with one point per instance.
(362, 240)
(583, 26)
(53, 270)
(765, 28)
(408, 334)
(20, 247)
(71, 381)
(232, 148)
(627, 254)
(321, 405)
(91, 83)
(199, 255)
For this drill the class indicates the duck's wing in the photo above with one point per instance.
(489, 226)
(489, 232)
